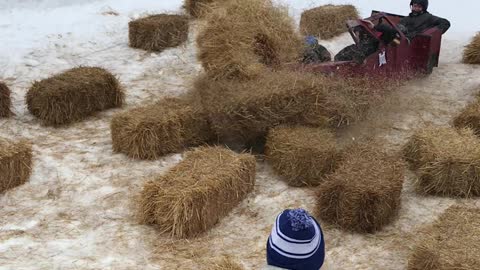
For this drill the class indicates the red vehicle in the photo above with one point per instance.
(402, 59)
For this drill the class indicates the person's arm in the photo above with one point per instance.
(440, 23)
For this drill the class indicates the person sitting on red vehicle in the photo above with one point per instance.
(416, 22)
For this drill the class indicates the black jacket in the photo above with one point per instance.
(417, 23)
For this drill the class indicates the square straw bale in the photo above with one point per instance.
(5, 101)
(471, 53)
(242, 38)
(15, 163)
(446, 160)
(302, 155)
(168, 126)
(158, 32)
(363, 194)
(197, 193)
(469, 117)
(451, 242)
(327, 21)
(74, 95)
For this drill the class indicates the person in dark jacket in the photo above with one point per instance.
(314, 52)
(416, 22)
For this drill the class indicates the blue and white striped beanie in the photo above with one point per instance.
(296, 242)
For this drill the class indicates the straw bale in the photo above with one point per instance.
(167, 126)
(469, 117)
(446, 160)
(327, 21)
(452, 242)
(5, 101)
(158, 32)
(363, 194)
(15, 163)
(471, 53)
(302, 155)
(74, 95)
(244, 37)
(245, 110)
(199, 8)
(202, 189)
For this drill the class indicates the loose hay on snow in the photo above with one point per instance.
(203, 188)
(5, 101)
(15, 163)
(168, 126)
(226, 263)
(74, 95)
(469, 117)
(452, 242)
(246, 110)
(363, 194)
(244, 37)
(158, 32)
(447, 161)
(302, 155)
(327, 21)
(471, 53)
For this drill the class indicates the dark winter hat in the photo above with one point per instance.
(423, 3)
(296, 242)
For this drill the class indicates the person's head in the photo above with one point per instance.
(296, 241)
(311, 41)
(419, 6)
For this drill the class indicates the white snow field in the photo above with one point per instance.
(77, 211)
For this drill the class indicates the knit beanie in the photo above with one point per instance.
(296, 241)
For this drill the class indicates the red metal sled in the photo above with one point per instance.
(410, 57)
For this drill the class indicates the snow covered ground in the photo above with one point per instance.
(77, 210)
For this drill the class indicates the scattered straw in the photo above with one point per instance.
(327, 21)
(471, 54)
(168, 126)
(15, 163)
(203, 188)
(302, 155)
(452, 242)
(363, 194)
(158, 32)
(74, 95)
(225, 263)
(244, 37)
(5, 101)
(447, 161)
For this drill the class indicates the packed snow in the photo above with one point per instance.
(78, 211)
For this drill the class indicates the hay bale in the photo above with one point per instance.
(446, 160)
(469, 117)
(158, 32)
(74, 95)
(168, 126)
(471, 53)
(203, 188)
(302, 155)
(327, 21)
(15, 163)
(244, 37)
(5, 101)
(363, 194)
(199, 8)
(452, 242)
(245, 110)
